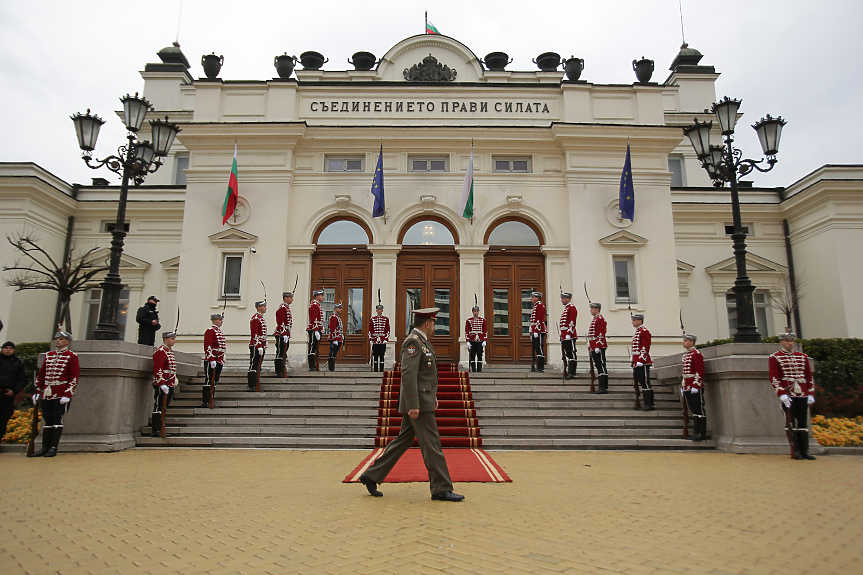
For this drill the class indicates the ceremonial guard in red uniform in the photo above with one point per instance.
(537, 329)
(791, 376)
(568, 336)
(641, 361)
(336, 334)
(379, 336)
(284, 323)
(597, 344)
(692, 388)
(214, 357)
(164, 379)
(257, 343)
(55, 384)
(316, 324)
(476, 334)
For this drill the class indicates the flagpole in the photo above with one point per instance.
(426, 30)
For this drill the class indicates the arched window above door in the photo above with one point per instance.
(513, 233)
(341, 233)
(428, 233)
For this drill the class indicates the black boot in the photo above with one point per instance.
(55, 441)
(156, 426)
(205, 396)
(570, 369)
(479, 366)
(648, 401)
(46, 442)
(700, 425)
(311, 357)
(802, 445)
(331, 363)
(280, 367)
(251, 378)
(603, 384)
(540, 364)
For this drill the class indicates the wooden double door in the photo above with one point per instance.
(510, 277)
(428, 277)
(345, 275)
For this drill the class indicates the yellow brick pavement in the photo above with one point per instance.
(270, 511)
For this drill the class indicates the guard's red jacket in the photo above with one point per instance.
(641, 346)
(596, 333)
(164, 367)
(475, 329)
(58, 376)
(284, 321)
(335, 328)
(567, 322)
(379, 329)
(258, 327)
(214, 344)
(316, 316)
(692, 370)
(537, 318)
(791, 374)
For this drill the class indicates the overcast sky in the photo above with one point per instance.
(794, 58)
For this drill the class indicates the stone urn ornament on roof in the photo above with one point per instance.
(548, 61)
(573, 67)
(497, 61)
(285, 65)
(312, 60)
(643, 69)
(363, 61)
(212, 64)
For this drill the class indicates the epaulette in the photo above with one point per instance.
(414, 336)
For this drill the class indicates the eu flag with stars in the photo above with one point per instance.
(378, 187)
(627, 192)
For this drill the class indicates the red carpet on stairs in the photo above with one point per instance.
(457, 424)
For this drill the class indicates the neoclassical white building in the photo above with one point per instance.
(548, 154)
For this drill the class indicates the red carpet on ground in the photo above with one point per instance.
(465, 465)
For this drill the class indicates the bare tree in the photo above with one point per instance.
(40, 271)
(785, 294)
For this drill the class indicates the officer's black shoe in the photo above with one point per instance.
(447, 496)
(46, 442)
(371, 486)
(568, 376)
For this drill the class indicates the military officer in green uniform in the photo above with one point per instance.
(417, 402)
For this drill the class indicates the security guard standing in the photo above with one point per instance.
(55, 384)
(692, 388)
(379, 336)
(597, 344)
(417, 402)
(538, 330)
(257, 343)
(316, 324)
(476, 333)
(792, 380)
(284, 324)
(164, 379)
(641, 361)
(214, 357)
(568, 336)
(336, 335)
(148, 321)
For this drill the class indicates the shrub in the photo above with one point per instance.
(714, 342)
(838, 432)
(18, 428)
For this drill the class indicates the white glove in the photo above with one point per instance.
(596, 351)
(638, 364)
(694, 390)
(35, 398)
(468, 346)
(164, 389)
(785, 400)
(64, 400)
(284, 339)
(681, 392)
(213, 364)
(317, 335)
(568, 337)
(259, 350)
(535, 335)
(811, 400)
(483, 344)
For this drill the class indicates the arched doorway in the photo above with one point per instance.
(342, 265)
(514, 266)
(427, 276)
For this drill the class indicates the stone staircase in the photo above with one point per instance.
(516, 410)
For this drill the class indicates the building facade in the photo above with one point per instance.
(547, 153)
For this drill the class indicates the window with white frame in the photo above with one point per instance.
(181, 164)
(232, 271)
(427, 164)
(624, 279)
(761, 301)
(675, 166)
(511, 164)
(108, 227)
(344, 164)
(93, 307)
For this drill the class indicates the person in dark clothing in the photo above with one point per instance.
(148, 321)
(12, 381)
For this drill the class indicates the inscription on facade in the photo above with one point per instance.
(336, 107)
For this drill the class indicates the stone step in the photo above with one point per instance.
(228, 442)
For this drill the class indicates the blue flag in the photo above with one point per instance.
(378, 187)
(627, 192)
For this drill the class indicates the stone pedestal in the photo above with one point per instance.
(114, 397)
(743, 412)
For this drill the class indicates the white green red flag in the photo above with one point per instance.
(465, 205)
(233, 192)
(430, 28)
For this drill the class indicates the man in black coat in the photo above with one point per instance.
(148, 321)
(13, 378)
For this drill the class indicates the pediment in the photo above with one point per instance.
(684, 268)
(623, 238)
(173, 263)
(754, 264)
(127, 262)
(447, 51)
(233, 237)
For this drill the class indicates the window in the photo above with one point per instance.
(729, 229)
(762, 312)
(428, 233)
(108, 227)
(354, 309)
(624, 279)
(345, 164)
(181, 164)
(526, 309)
(93, 305)
(441, 301)
(513, 233)
(328, 306)
(500, 321)
(429, 164)
(343, 232)
(675, 166)
(232, 269)
(521, 165)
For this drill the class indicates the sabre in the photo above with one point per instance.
(296, 283)
(265, 291)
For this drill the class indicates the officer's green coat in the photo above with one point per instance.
(419, 374)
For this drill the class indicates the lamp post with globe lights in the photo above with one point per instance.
(723, 164)
(133, 162)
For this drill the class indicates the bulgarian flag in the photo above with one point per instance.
(465, 205)
(430, 28)
(233, 192)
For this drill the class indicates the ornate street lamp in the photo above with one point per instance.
(134, 161)
(723, 164)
